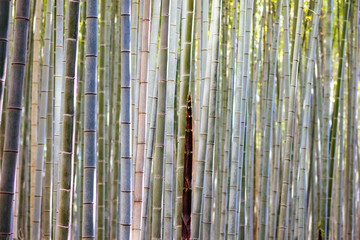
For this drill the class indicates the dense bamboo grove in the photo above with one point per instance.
(178, 119)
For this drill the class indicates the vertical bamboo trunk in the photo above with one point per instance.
(209, 159)
(352, 170)
(169, 126)
(41, 134)
(59, 82)
(160, 124)
(90, 124)
(79, 128)
(101, 128)
(268, 127)
(226, 150)
(184, 91)
(276, 147)
(107, 97)
(115, 145)
(13, 119)
(284, 208)
(5, 14)
(235, 164)
(24, 166)
(151, 106)
(209, 95)
(326, 115)
(300, 232)
(125, 118)
(63, 221)
(142, 115)
(35, 101)
(334, 126)
(47, 209)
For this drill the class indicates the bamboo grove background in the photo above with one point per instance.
(177, 119)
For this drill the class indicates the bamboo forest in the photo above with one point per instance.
(179, 119)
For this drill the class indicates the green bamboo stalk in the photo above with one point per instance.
(90, 153)
(333, 130)
(115, 148)
(154, 38)
(101, 172)
(276, 146)
(243, 118)
(169, 126)
(5, 15)
(41, 134)
(351, 164)
(142, 115)
(3, 74)
(35, 102)
(6, 46)
(136, 22)
(284, 210)
(63, 224)
(326, 115)
(231, 75)
(47, 211)
(13, 119)
(197, 78)
(152, 109)
(186, 37)
(79, 128)
(235, 174)
(107, 98)
(265, 168)
(160, 123)
(59, 74)
(336, 228)
(16, 202)
(208, 101)
(251, 134)
(300, 232)
(222, 110)
(23, 215)
(209, 157)
(204, 49)
(201, 149)
(125, 118)
(148, 167)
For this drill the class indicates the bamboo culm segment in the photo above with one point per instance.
(63, 221)
(13, 119)
(90, 124)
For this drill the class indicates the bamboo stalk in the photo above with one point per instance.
(14, 108)
(284, 211)
(186, 37)
(5, 15)
(235, 172)
(142, 115)
(47, 209)
(160, 124)
(59, 83)
(41, 134)
(35, 102)
(90, 125)
(208, 194)
(63, 224)
(125, 119)
(169, 127)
